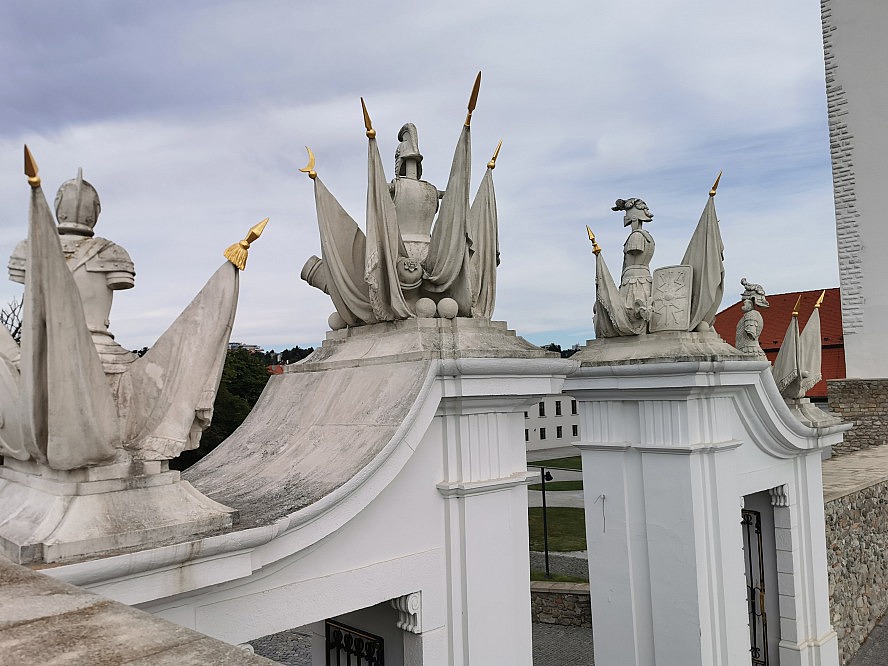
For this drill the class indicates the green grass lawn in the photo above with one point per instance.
(567, 528)
(563, 463)
(555, 486)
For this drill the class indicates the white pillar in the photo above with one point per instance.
(669, 450)
(481, 426)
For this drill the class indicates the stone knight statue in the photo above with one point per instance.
(417, 258)
(750, 326)
(100, 266)
(87, 428)
(638, 250)
(682, 298)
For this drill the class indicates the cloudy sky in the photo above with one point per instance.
(191, 120)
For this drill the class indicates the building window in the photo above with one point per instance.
(526, 415)
(526, 435)
(573, 406)
(542, 409)
(542, 432)
(557, 408)
(575, 429)
(558, 432)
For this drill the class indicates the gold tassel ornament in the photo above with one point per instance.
(237, 253)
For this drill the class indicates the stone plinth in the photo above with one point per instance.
(46, 621)
(58, 516)
(864, 403)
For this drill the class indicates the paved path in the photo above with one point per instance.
(553, 645)
(874, 652)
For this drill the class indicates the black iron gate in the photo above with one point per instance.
(755, 586)
(347, 646)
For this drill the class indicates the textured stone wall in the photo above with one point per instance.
(561, 603)
(841, 147)
(863, 402)
(857, 557)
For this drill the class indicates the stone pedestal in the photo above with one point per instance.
(57, 516)
(672, 452)
(864, 403)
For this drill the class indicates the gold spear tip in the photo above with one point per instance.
(31, 169)
(795, 310)
(820, 300)
(309, 168)
(492, 163)
(473, 99)
(596, 248)
(237, 253)
(715, 184)
(371, 133)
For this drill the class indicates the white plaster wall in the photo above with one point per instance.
(857, 96)
(443, 514)
(669, 452)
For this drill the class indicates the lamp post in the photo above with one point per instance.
(545, 476)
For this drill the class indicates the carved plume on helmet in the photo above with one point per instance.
(408, 148)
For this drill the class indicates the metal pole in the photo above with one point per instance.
(545, 522)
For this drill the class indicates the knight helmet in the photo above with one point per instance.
(77, 206)
(408, 149)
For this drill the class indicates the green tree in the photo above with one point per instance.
(243, 378)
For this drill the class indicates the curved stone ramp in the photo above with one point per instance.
(308, 435)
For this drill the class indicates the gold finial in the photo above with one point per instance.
(820, 300)
(596, 248)
(473, 99)
(31, 169)
(492, 163)
(715, 184)
(237, 253)
(795, 310)
(309, 168)
(371, 133)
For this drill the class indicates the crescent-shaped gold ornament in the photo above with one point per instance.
(309, 169)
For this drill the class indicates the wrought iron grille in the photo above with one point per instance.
(755, 586)
(347, 646)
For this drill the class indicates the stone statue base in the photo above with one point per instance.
(56, 516)
(810, 414)
(658, 347)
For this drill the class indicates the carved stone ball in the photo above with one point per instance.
(336, 322)
(447, 308)
(425, 307)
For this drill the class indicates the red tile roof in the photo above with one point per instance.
(776, 319)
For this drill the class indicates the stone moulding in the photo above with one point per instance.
(442, 380)
(58, 516)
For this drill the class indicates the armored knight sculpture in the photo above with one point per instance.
(750, 326)
(75, 397)
(675, 298)
(410, 263)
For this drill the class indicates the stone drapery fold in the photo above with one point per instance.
(384, 244)
(484, 235)
(705, 253)
(68, 417)
(446, 268)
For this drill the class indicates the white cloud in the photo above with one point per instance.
(191, 121)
